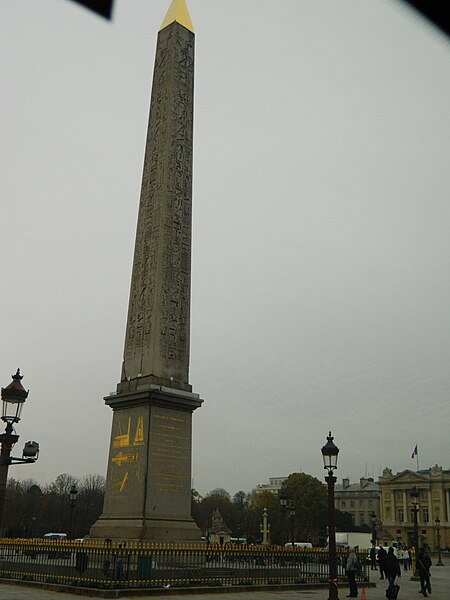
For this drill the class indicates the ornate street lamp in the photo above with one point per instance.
(72, 502)
(283, 504)
(415, 509)
(292, 518)
(13, 399)
(330, 455)
(438, 539)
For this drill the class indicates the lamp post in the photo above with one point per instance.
(438, 539)
(265, 528)
(292, 518)
(283, 504)
(13, 399)
(72, 502)
(330, 455)
(415, 509)
(373, 519)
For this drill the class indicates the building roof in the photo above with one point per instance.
(357, 487)
(408, 475)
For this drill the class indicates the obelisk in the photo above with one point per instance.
(148, 483)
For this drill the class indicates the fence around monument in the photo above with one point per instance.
(111, 566)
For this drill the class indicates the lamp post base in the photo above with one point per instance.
(333, 594)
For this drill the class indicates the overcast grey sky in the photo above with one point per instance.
(321, 287)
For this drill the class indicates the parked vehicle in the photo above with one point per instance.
(351, 539)
(58, 537)
(33, 553)
(55, 536)
(299, 545)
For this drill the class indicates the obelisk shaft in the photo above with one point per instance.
(157, 334)
(148, 482)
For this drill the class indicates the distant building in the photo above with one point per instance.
(274, 485)
(434, 502)
(360, 499)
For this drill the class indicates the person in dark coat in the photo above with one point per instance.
(381, 555)
(373, 558)
(391, 570)
(423, 566)
(352, 568)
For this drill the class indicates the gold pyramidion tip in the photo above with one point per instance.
(178, 12)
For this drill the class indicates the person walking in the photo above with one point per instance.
(352, 567)
(405, 558)
(381, 555)
(423, 566)
(373, 558)
(391, 570)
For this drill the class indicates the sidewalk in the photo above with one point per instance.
(440, 582)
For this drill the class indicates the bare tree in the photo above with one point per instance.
(62, 484)
(92, 485)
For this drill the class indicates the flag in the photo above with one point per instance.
(414, 452)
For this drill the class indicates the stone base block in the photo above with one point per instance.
(150, 530)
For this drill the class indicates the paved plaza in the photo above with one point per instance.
(440, 581)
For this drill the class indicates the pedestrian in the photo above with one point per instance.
(373, 558)
(106, 565)
(405, 558)
(381, 555)
(352, 568)
(391, 570)
(423, 566)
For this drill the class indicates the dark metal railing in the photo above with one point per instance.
(110, 565)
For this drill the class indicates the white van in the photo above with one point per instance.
(55, 536)
(299, 545)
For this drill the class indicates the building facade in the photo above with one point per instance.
(433, 503)
(274, 485)
(361, 500)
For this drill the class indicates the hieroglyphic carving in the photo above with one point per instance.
(157, 336)
(170, 451)
(127, 459)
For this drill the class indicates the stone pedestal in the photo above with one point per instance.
(148, 484)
